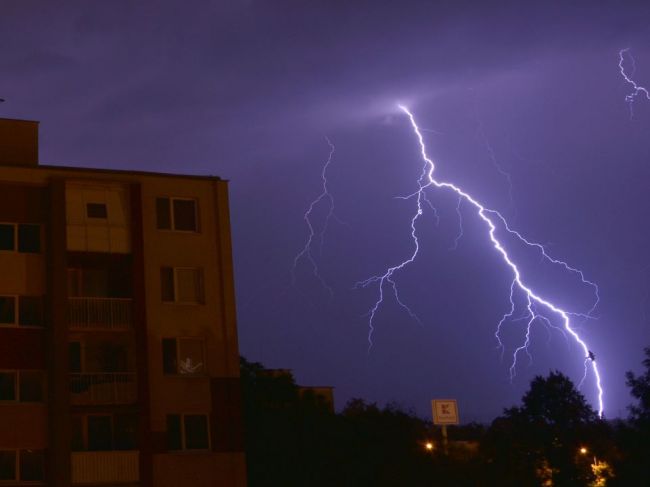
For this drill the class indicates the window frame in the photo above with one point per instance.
(184, 448)
(18, 474)
(172, 221)
(17, 395)
(16, 242)
(177, 341)
(16, 323)
(201, 279)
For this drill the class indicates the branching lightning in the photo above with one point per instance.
(306, 252)
(536, 309)
(636, 89)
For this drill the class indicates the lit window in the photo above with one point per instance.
(188, 432)
(183, 356)
(176, 214)
(181, 285)
(96, 210)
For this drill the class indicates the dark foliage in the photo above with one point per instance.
(293, 440)
(633, 467)
(541, 440)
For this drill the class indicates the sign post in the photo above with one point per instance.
(445, 411)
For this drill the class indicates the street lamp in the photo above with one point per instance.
(429, 446)
(583, 450)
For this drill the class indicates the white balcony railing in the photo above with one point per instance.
(98, 467)
(103, 388)
(104, 313)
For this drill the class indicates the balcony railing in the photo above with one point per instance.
(98, 467)
(103, 388)
(104, 313)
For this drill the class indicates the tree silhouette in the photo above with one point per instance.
(539, 442)
(640, 390)
(634, 436)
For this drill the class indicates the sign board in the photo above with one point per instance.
(445, 411)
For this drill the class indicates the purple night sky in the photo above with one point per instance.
(248, 90)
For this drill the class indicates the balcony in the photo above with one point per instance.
(103, 388)
(100, 467)
(100, 313)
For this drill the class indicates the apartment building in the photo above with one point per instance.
(119, 362)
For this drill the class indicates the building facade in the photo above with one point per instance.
(119, 362)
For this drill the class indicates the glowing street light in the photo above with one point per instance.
(428, 445)
(583, 450)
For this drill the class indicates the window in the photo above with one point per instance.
(7, 310)
(100, 433)
(176, 214)
(22, 465)
(31, 386)
(32, 465)
(29, 239)
(30, 311)
(22, 385)
(21, 310)
(181, 285)
(96, 210)
(7, 236)
(8, 465)
(104, 432)
(183, 356)
(24, 237)
(188, 432)
(8, 381)
(74, 354)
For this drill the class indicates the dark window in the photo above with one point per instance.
(174, 433)
(96, 210)
(176, 214)
(100, 433)
(7, 310)
(170, 362)
(75, 357)
(163, 214)
(185, 215)
(77, 433)
(30, 311)
(167, 284)
(31, 385)
(196, 432)
(7, 236)
(32, 465)
(125, 431)
(7, 386)
(181, 285)
(29, 238)
(7, 465)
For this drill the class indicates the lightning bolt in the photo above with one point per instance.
(306, 252)
(636, 89)
(536, 308)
